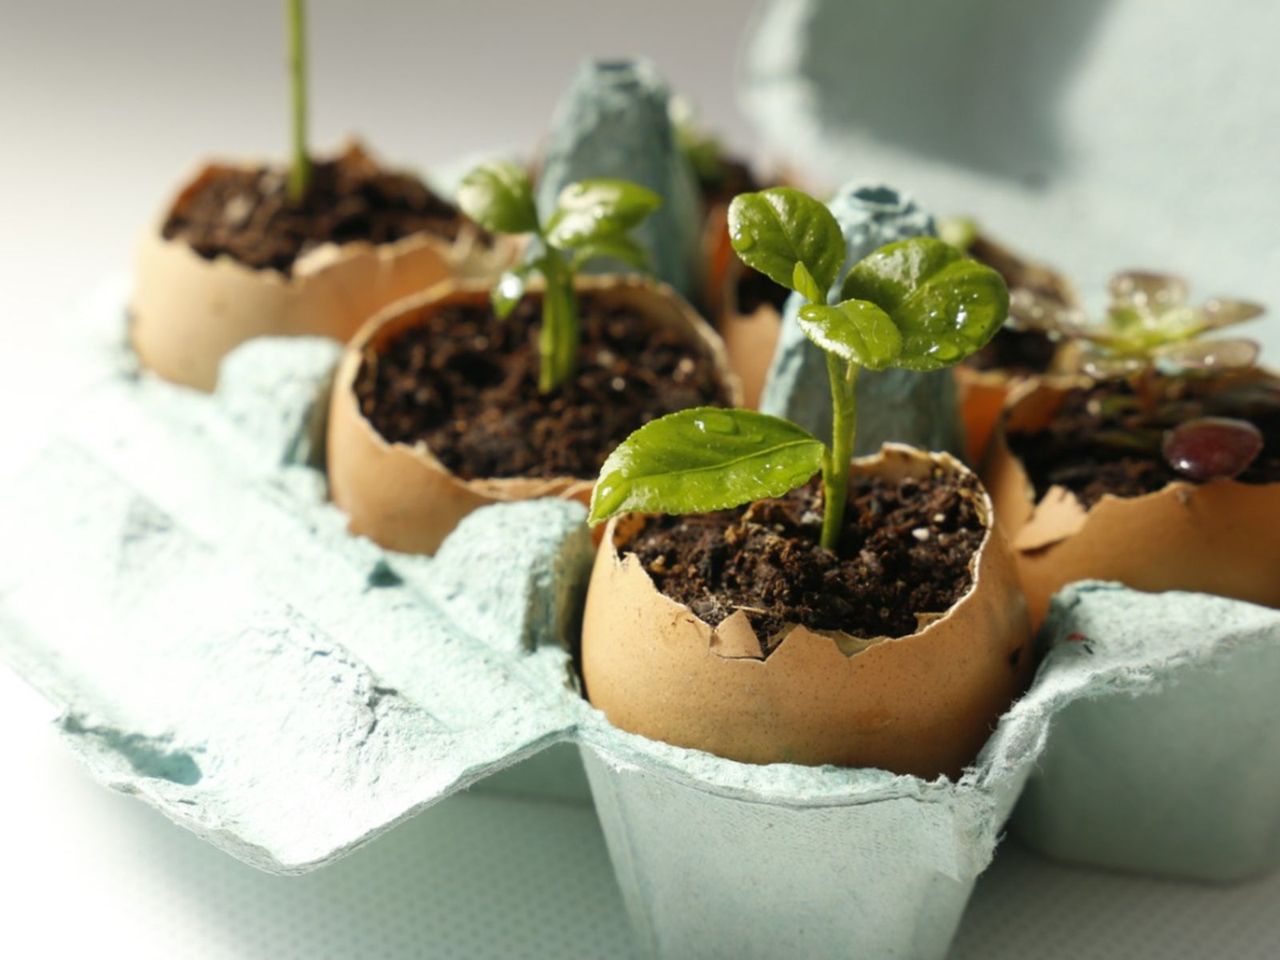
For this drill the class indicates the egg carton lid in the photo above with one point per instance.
(1032, 118)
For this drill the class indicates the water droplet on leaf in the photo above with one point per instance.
(712, 422)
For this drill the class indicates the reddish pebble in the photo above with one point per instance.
(1210, 447)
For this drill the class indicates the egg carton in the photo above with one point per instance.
(176, 581)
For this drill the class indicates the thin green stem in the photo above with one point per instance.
(300, 168)
(558, 337)
(835, 460)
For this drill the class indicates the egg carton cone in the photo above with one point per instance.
(905, 406)
(1169, 764)
(614, 121)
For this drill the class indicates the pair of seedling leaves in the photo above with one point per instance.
(591, 220)
(917, 304)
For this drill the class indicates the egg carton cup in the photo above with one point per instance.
(177, 582)
(1164, 753)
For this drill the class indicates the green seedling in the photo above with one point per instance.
(591, 219)
(300, 165)
(917, 304)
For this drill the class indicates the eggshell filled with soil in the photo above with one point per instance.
(188, 311)
(1220, 537)
(401, 495)
(920, 704)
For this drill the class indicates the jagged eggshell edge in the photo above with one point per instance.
(402, 497)
(923, 704)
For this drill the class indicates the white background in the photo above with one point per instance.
(105, 106)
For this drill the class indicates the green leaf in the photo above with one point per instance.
(802, 281)
(621, 248)
(596, 209)
(506, 293)
(499, 197)
(944, 305)
(775, 229)
(704, 459)
(856, 330)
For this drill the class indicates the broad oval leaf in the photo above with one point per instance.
(775, 229)
(702, 459)
(620, 248)
(499, 197)
(855, 330)
(597, 209)
(945, 305)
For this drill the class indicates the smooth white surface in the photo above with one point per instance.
(105, 106)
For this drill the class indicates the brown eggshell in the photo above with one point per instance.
(982, 395)
(402, 496)
(922, 704)
(1221, 537)
(188, 312)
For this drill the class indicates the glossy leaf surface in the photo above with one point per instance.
(775, 229)
(944, 305)
(856, 330)
(703, 459)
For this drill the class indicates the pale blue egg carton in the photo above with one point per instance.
(175, 579)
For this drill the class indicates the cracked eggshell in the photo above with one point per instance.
(188, 312)
(402, 496)
(922, 704)
(1221, 537)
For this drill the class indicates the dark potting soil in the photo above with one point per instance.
(1102, 440)
(247, 214)
(466, 384)
(754, 290)
(905, 550)
(1015, 351)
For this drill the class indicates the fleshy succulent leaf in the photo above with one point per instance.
(856, 330)
(596, 209)
(944, 305)
(1186, 355)
(775, 229)
(499, 197)
(702, 459)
